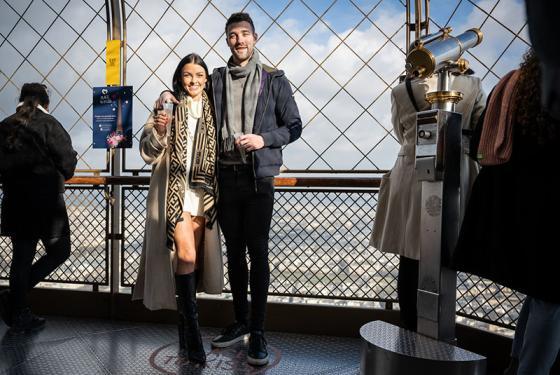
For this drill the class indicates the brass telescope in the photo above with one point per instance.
(435, 51)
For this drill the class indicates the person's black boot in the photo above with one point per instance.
(23, 320)
(181, 326)
(186, 290)
(5, 307)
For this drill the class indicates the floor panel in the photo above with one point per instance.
(91, 347)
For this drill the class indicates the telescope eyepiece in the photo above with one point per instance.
(418, 72)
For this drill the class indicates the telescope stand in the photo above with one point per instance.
(390, 350)
(387, 349)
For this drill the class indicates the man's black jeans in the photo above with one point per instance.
(244, 213)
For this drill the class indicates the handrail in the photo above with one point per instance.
(331, 182)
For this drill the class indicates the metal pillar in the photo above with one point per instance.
(115, 31)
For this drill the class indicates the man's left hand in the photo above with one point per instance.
(250, 142)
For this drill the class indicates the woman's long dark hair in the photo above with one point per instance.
(191, 58)
(31, 95)
(530, 117)
(14, 135)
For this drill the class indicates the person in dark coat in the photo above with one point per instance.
(542, 22)
(36, 157)
(508, 235)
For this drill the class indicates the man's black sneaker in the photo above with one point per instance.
(5, 310)
(230, 335)
(257, 355)
(25, 321)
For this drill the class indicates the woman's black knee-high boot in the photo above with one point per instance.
(186, 290)
(181, 324)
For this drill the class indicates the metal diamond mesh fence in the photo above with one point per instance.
(318, 245)
(88, 262)
(319, 249)
(338, 54)
(133, 219)
(342, 57)
(332, 62)
(61, 44)
(483, 300)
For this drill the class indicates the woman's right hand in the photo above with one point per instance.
(160, 123)
(165, 96)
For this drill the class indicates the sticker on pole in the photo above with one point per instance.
(113, 63)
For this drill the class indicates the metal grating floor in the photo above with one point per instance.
(88, 347)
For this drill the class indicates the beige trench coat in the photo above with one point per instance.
(396, 227)
(155, 283)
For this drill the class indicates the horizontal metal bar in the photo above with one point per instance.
(115, 236)
(337, 171)
(357, 182)
(485, 320)
(327, 190)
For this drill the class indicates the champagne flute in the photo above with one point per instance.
(240, 148)
(168, 110)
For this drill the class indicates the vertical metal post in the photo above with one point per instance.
(418, 25)
(407, 23)
(438, 156)
(417, 18)
(116, 21)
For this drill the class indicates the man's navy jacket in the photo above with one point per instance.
(277, 118)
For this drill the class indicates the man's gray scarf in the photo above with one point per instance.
(252, 71)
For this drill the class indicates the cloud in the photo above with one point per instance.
(342, 90)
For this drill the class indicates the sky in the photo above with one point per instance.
(341, 56)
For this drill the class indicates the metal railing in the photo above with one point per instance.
(318, 245)
(88, 211)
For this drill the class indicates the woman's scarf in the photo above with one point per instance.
(253, 72)
(203, 168)
(496, 139)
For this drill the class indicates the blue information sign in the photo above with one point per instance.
(112, 117)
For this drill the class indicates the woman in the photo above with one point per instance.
(508, 235)
(36, 157)
(397, 222)
(181, 237)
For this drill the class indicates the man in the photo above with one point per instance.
(256, 115)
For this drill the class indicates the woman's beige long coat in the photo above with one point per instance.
(397, 222)
(155, 283)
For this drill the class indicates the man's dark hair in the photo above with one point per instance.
(239, 17)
